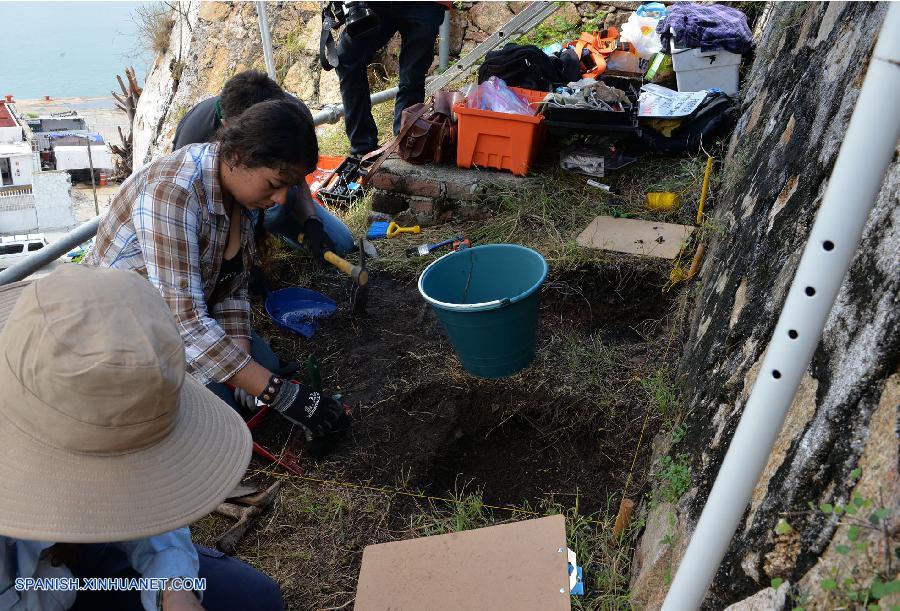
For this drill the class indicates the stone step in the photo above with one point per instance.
(440, 192)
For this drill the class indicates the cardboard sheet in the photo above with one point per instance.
(636, 237)
(512, 566)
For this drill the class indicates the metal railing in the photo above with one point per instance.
(15, 190)
(50, 253)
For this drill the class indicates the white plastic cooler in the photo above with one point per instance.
(696, 70)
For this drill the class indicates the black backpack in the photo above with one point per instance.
(712, 120)
(522, 66)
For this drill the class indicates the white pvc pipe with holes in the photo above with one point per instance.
(855, 182)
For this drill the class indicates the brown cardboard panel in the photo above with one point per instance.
(636, 237)
(512, 566)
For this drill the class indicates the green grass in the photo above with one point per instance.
(287, 50)
(154, 25)
(555, 28)
(582, 372)
(662, 393)
(312, 539)
(673, 478)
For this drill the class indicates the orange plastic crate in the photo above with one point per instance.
(499, 140)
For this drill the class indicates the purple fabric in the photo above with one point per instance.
(709, 26)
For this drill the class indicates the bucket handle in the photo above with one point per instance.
(484, 305)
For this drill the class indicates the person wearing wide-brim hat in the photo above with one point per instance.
(108, 450)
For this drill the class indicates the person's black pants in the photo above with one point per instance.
(230, 583)
(418, 24)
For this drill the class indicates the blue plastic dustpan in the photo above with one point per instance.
(298, 310)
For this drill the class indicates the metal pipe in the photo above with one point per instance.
(50, 253)
(856, 179)
(332, 113)
(93, 185)
(266, 39)
(444, 46)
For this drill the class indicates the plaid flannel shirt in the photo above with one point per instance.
(168, 223)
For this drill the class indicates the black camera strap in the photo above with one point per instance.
(327, 48)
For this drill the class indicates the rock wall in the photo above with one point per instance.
(796, 104)
(212, 41)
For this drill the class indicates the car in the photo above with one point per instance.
(15, 248)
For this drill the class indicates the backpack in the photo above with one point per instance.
(523, 66)
(713, 119)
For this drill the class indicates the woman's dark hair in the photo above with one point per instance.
(273, 134)
(246, 89)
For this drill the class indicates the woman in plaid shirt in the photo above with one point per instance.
(184, 222)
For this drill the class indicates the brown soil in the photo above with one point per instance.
(421, 421)
(563, 432)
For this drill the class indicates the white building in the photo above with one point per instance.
(77, 158)
(16, 157)
(30, 200)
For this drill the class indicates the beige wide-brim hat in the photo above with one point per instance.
(102, 435)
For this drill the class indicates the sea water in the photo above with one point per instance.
(69, 49)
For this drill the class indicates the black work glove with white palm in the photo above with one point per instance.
(302, 405)
(316, 240)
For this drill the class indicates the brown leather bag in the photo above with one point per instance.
(427, 133)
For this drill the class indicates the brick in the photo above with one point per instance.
(424, 205)
(388, 182)
(385, 201)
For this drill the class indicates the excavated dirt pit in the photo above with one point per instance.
(550, 433)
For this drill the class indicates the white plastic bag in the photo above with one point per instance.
(641, 32)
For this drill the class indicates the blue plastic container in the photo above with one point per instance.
(486, 298)
(298, 310)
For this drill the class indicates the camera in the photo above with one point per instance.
(359, 18)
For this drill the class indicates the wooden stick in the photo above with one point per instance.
(122, 85)
(229, 541)
(705, 188)
(624, 517)
(356, 272)
(695, 264)
(132, 82)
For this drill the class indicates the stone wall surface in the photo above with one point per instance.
(796, 104)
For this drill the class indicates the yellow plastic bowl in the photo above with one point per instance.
(662, 202)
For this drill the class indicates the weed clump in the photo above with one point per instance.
(155, 23)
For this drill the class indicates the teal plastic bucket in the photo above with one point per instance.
(487, 301)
